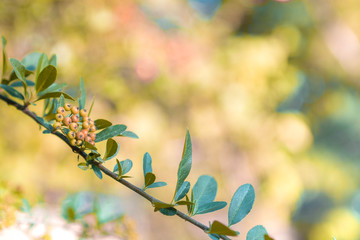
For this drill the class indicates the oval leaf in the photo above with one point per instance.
(102, 123)
(221, 229)
(129, 134)
(112, 149)
(46, 77)
(126, 166)
(12, 91)
(110, 132)
(97, 171)
(19, 69)
(256, 233)
(204, 191)
(157, 184)
(149, 179)
(53, 60)
(20, 83)
(211, 207)
(53, 88)
(241, 203)
(183, 190)
(185, 163)
(90, 146)
(168, 211)
(147, 163)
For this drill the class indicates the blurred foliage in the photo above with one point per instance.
(269, 90)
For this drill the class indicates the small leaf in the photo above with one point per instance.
(46, 77)
(221, 229)
(118, 169)
(97, 171)
(14, 77)
(185, 163)
(149, 179)
(158, 205)
(204, 192)
(41, 64)
(90, 146)
(147, 163)
(112, 149)
(83, 166)
(183, 190)
(211, 207)
(126, 166)
(19, 69)
(53, 60)
(12, 91)
(55, 87)
(54, 95)
(110, 132)
(20, 83)
(4, 58)
(168, 211)
(157, 184)
(102, 123)
(129, 134)
(241, 203)
(184, 203)
(82, 98)
(61, 100)
(256, 233)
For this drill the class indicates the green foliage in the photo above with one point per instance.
(185, 163)
(149, 177)
(183, 190)
(46, 78)
(221, 229)
(110, 132)
(102, 123)
(82, 99)
(12, 91)
(123, 168)
(256, 233)
(4, 58)
(97, 171)
(112, 149)
(241, 203)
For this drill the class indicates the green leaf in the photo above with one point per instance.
(46, 77)
(211, 207)
(25, 206)
(157, 184)
(147, 163)
(187, 203)
(221, 229)
(185, 163)
(183, 190)
(19, 71)
(82, 98)
(83, 166)
(129, 134)
(159, 205)
(112, 149)
(55, 87)
(267, 237)
(256, 233)
(61, 100)
(47, 125)
(168, 211)
(14, 77)
(20, 84)
(119, 169)
(241, 203)
(53, 60)
(149, 179)
(54, 95)
(97, 171)
(126, 166)
(12, 91)
(102, 123)
(110, 132)
(204, 192)
(41, 64)
(90, 146)
(3, 41)
(92, 104)
(30, 61)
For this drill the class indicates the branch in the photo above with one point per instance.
(25, 110)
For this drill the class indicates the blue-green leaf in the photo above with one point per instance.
(221, 229)
(149, 179)
(211, 207)
(129, 134)
(102, 123)
(19, 69)
(126, 166)
(147, 163)
(204, 191)
(214, 236)
(185, 163)
(53, 60)
(183, 190)
(256, 233)
(82, 98)
(46, 77)
(41, 64)
(157, 184)
(168, 211)
(97, 171)
(30, 60)
(112, 149)
(241, 203)
(47, 125)
(54, 95)
(61, 100)
(55, 87)
(12, 91)
(20, 83)
(110, 132)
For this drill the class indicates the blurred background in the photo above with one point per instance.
(268, 89)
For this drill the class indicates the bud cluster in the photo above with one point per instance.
(81, 127)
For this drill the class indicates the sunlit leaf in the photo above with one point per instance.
(82, 99)
(53, 60)
(183, 190)
(102, 123)
(157, 184)
(92, 104)
(55, 87)
(204, 191)
(158, 205)
(46, 77)
(12, 91)
(149, 179)
(129, 134)
(221, 229)
(256, 233)
(97, 171)
(126, 166)
(210, 207)
(241, 203)
(19, 69)
(110, 132)
(112, 149)
(185, 163)
(90, 146)
(147, 163)
(42, 63)
(54, 95)
(184, 203)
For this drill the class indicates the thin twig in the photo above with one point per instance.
(106, 171)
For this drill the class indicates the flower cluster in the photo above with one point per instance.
(80, 127)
